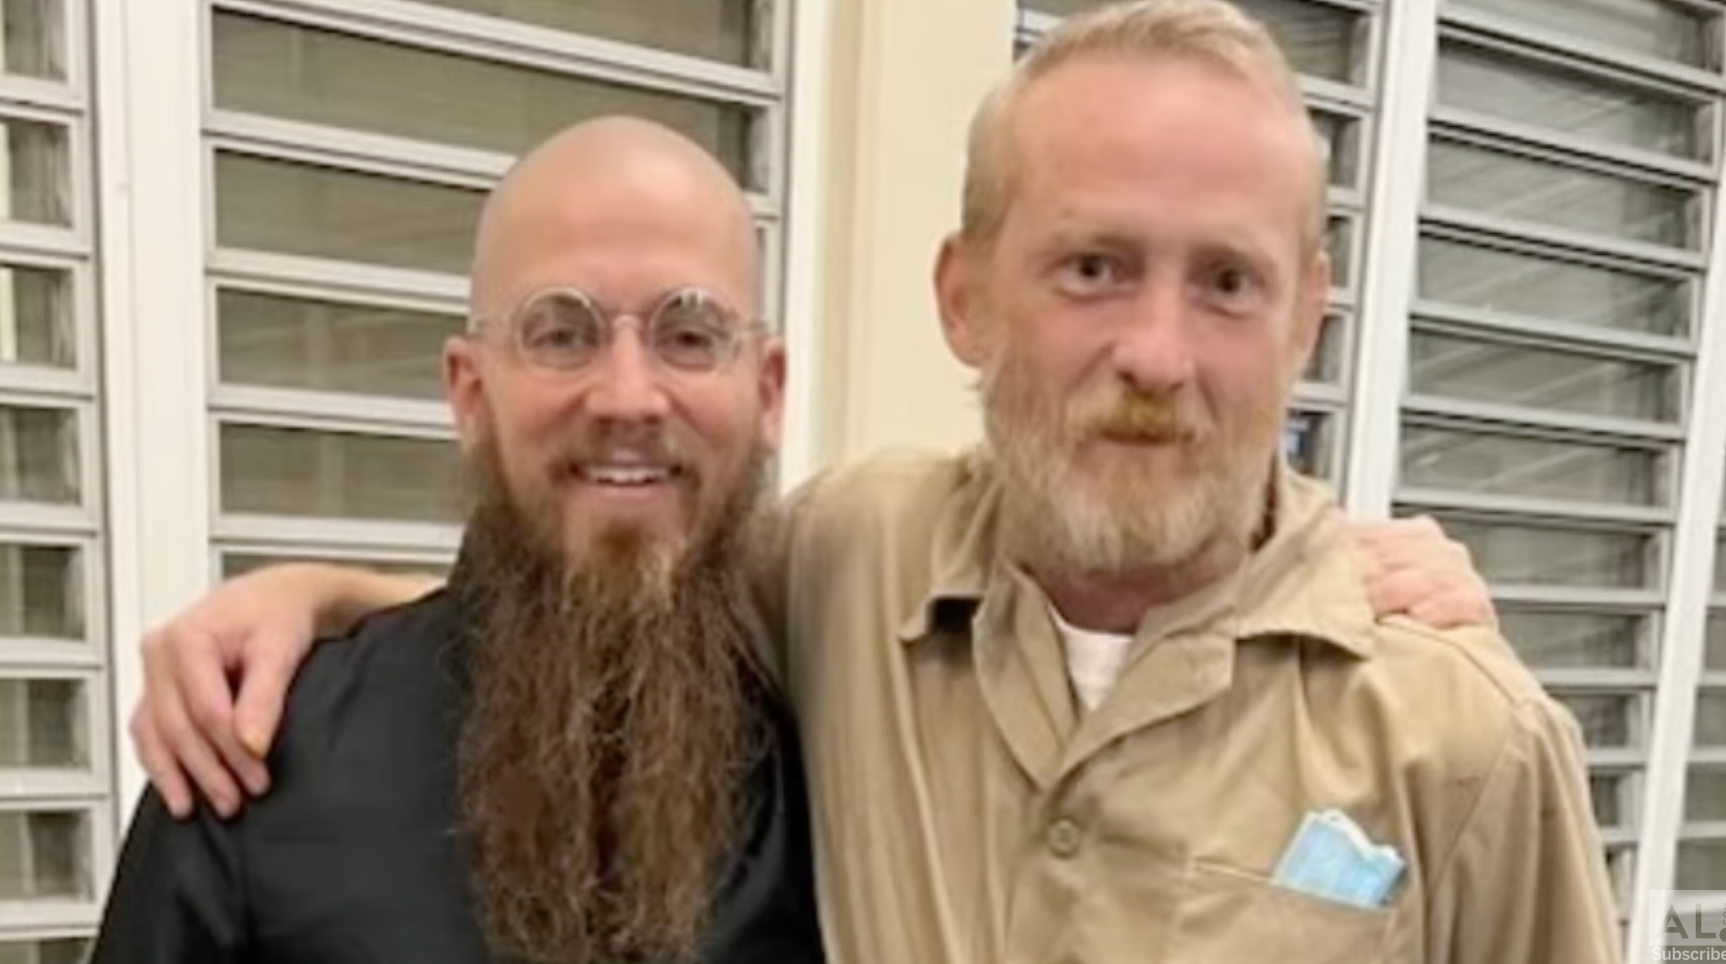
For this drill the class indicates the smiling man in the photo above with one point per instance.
(570, 754)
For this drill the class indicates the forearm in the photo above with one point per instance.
(341, 595)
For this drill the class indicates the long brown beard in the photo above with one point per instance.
(609, 733)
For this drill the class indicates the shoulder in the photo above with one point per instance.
(395, 659)
(897, 491)
(1451, 706)
(389, 636)
(1456, 694)
(1472, 667)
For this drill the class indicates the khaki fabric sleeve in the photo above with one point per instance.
(1526, 882)
(769, 547)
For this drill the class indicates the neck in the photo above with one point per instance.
(1116, 601)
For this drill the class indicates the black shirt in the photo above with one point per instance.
(352, 857)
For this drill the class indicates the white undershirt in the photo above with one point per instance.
(1094, 660)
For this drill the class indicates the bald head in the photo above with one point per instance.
(607, 205)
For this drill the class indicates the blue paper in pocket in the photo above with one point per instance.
(1332, 857)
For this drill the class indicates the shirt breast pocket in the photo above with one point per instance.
(1228, 916)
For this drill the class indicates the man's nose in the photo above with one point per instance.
(628, 384)
(1153, 350)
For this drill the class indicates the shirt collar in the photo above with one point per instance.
(1303, 580)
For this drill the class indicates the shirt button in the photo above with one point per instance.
(1064, 838)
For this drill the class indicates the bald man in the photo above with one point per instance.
(568, 753)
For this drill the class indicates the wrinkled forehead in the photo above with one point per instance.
(1179, 136)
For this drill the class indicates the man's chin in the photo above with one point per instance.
(624, 543)
(1127, 482)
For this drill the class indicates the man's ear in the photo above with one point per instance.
(956, 268)
(771, 385)
(464, 387)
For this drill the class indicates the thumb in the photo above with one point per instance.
(264, 684)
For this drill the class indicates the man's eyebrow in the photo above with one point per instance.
(1105, 238)
(1239, 245)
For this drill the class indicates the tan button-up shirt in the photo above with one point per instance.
(966, 813)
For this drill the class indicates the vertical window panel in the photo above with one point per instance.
(1716, 639)
(39, 455)
(301, 209)
(1308, 443)
(44, 856)
(1319, 39)
(721, 30)
(1609, 795)
(337, 475)
(1710, 725)
(1472, 461)
(54, 951)
(1512, 185)
(319, 345)
(38, 172)
(41, 592)
(32, 38)
(42, 724)
(1561, 639)
(1570, 102)
(1541, 378)
(1511, 552)
(1339, 244)
(1327, 363)
(1608, 721)
(1701, 865)
(1573, 292)
(1342, 140)
(37, 326)
(1652, 28)
(322, 77)
(1705, 796)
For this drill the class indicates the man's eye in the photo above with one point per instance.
(1233, 285)
(691, 344)
(553, 332)
(1231, 281)
(1094, 267)
(1091, 272)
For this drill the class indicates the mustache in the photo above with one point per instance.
(1137, 416)
(653, 446)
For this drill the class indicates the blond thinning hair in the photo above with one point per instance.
(1214, 32)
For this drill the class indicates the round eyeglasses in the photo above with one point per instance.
(566, 329)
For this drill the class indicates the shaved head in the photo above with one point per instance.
(611, 720)
(613, 178)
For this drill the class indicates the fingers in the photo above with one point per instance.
(1440, 599)
(1417, 541)
(196, 755)
(182, 665)
(1396, 592)
(263, 691)
(203, 686)
(1455, 608)
(153, 752)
